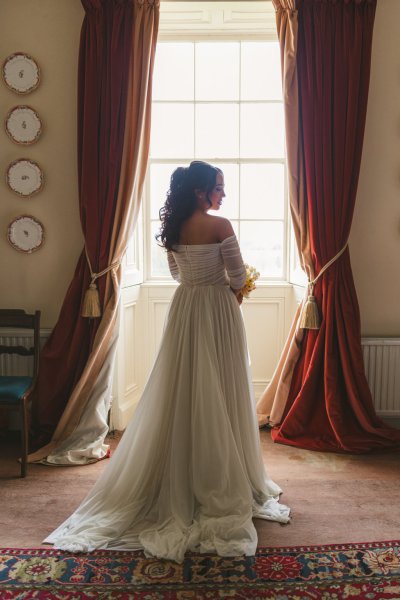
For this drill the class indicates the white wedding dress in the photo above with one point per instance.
(188, 472)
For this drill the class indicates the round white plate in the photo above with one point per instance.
(24, 177)
(21, 73)
(26, 234)
(23, 125)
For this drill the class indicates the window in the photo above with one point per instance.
(221, 101)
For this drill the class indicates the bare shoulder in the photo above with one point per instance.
(223, 228)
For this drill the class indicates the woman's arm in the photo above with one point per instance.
(233, 261)
(173, 267)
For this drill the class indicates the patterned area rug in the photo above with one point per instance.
(348, 571)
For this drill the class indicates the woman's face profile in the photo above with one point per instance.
(217, 193)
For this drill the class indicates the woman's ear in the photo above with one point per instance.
(200, 194)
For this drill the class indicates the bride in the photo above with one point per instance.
(188, 473)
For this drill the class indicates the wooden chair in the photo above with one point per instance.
(15, 388)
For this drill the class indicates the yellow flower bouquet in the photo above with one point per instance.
(251, 277)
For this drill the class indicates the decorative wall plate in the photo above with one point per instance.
(23, 125)
(26, 234)
(21, 73)
(24, 177)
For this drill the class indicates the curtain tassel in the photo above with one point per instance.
(91, 302)
(310, 318)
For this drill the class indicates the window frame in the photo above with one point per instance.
(148, 221)
(251, 28)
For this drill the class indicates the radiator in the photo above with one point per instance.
(382, 368)
(13, 364)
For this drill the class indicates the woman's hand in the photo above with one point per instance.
(239, 295)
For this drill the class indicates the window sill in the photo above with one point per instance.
(263, 284)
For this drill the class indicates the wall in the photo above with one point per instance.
(375, 236)
(48, 30)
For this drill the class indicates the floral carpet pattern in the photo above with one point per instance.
(348, 571)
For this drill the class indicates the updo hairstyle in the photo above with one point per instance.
(181, 199)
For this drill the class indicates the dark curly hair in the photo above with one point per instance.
(181, 199)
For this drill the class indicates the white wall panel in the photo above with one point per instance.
(264, 321)
(130, 345)
(267, 315)
(206, 19)
(128, 373)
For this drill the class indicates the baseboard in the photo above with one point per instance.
(392, 421)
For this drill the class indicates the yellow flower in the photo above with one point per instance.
(251, 277)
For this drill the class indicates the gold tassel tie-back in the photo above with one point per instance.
(309, 318)
(91, 302)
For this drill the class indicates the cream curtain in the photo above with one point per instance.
(271, 405)
(79, 436)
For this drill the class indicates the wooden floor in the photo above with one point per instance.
(334, 498)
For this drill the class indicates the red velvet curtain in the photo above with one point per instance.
(330, 406)
(104, 56)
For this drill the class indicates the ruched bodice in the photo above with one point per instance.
(208, 264)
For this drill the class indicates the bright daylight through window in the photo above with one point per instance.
(221, 101)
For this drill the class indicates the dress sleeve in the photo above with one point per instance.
(173, 267)
(233, 262)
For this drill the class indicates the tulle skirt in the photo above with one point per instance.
(188, 472)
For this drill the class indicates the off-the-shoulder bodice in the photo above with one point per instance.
(208, 264)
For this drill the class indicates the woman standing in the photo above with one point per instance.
(188, 472)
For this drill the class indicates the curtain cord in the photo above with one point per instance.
(95, 276)
(312, 282)
(91, 303)
(309, 318)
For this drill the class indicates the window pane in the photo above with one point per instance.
(217, 130)
(261, 131)
(217, 71)
(230, 204)
(172, 132)
(296, 273)
(261, 243)
(159, 260)
(160, 176)
(174, 71)
(221, 101)
(262, 191)
(260, 82)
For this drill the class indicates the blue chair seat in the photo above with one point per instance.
(13, 387)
